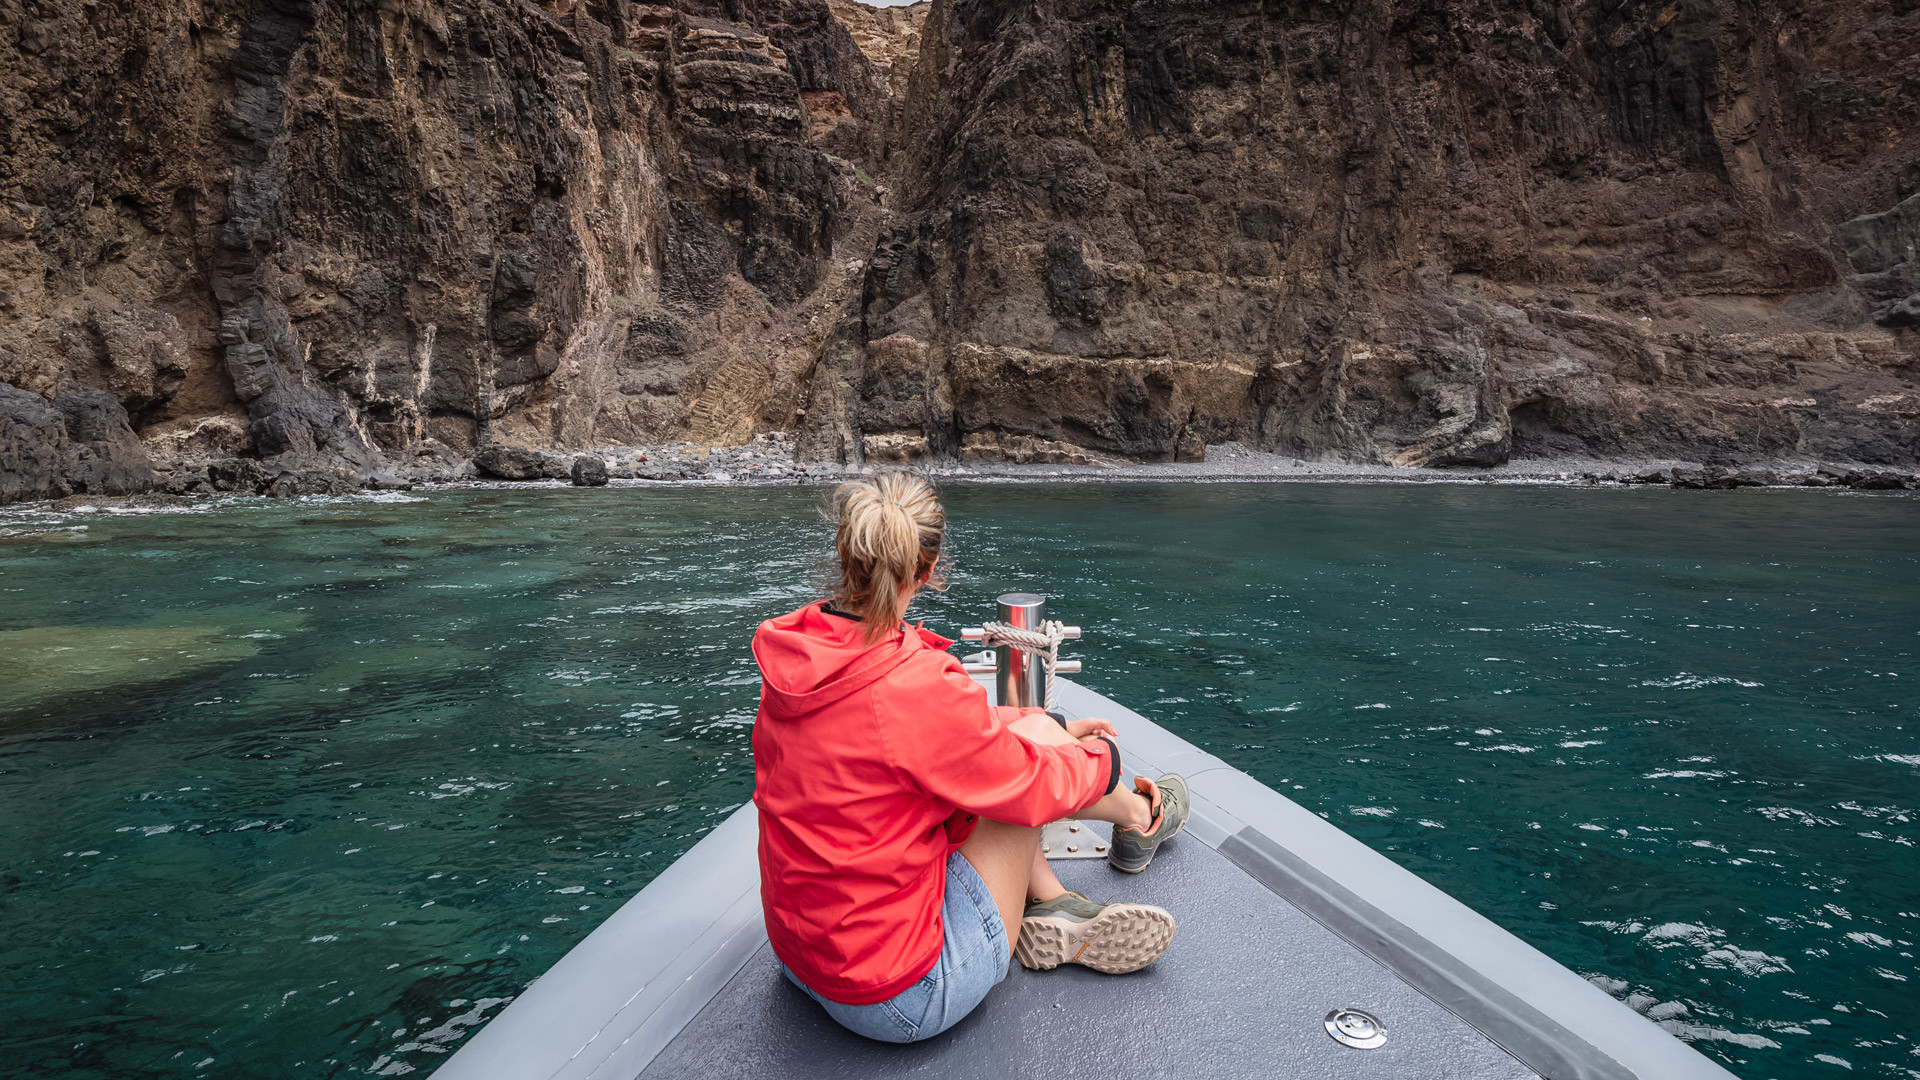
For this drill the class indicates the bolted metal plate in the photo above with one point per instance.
(1356, 1028)
(1070, 839)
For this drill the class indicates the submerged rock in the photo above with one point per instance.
(46, 662)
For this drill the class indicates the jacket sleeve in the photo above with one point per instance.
(949, 742)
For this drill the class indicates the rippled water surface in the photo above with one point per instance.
(313, 788)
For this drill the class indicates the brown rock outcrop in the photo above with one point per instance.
(889, 37)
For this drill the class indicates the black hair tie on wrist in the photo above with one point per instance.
(1113, 753)
(1113, 774)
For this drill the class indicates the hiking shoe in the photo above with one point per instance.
(1071, 929)
(1133, 849)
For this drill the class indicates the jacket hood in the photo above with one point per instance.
(809, 659)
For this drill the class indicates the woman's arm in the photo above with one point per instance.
(947, 741)
(1089, 727)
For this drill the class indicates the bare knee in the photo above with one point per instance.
(1038, 727)
(1002, 854)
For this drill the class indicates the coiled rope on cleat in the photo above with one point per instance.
(1043, 642)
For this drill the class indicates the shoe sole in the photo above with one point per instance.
(1156, 850)
(1123, 938)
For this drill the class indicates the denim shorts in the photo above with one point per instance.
(973, 960)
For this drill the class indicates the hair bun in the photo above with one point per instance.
(882, 553)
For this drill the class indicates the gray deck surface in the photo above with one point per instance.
(1283, 918)
(1243, 992)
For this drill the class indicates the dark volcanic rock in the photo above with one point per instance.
(1883, 251)
(108, 458)
(317, 481)
(307, 426)
(1902, 313)
(1879, 480)
(34, 452)
(517, 463)
(432, 462)
(79, 443)
(1716, 478)
(589, 471)
(239, 475)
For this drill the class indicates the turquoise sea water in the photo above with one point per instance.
(312, 788)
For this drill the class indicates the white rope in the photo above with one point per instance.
(1043, 642)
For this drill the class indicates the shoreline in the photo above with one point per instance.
(769, 461)
(766, 462)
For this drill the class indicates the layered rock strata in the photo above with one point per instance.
(305, 244)
(338, 238)
(1412, 233)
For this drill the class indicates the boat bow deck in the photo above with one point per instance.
(1282, 916)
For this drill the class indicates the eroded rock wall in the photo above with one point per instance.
(1409, 232)
(334, 238)
(889, 37)
(333, 235)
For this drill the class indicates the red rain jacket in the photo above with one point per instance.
(869, 767)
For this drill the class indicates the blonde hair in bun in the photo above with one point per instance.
(889, 528)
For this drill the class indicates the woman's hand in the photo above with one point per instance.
(1091, 725)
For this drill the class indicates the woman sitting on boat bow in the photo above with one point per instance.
(900, 859)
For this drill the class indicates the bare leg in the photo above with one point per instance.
(1003, 856)
(1007, 857)
(1042, 883)
(1122, 806)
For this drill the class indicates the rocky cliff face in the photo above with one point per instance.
(312, 242)
(1420, 233)
(889, 37)
(335, 236)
